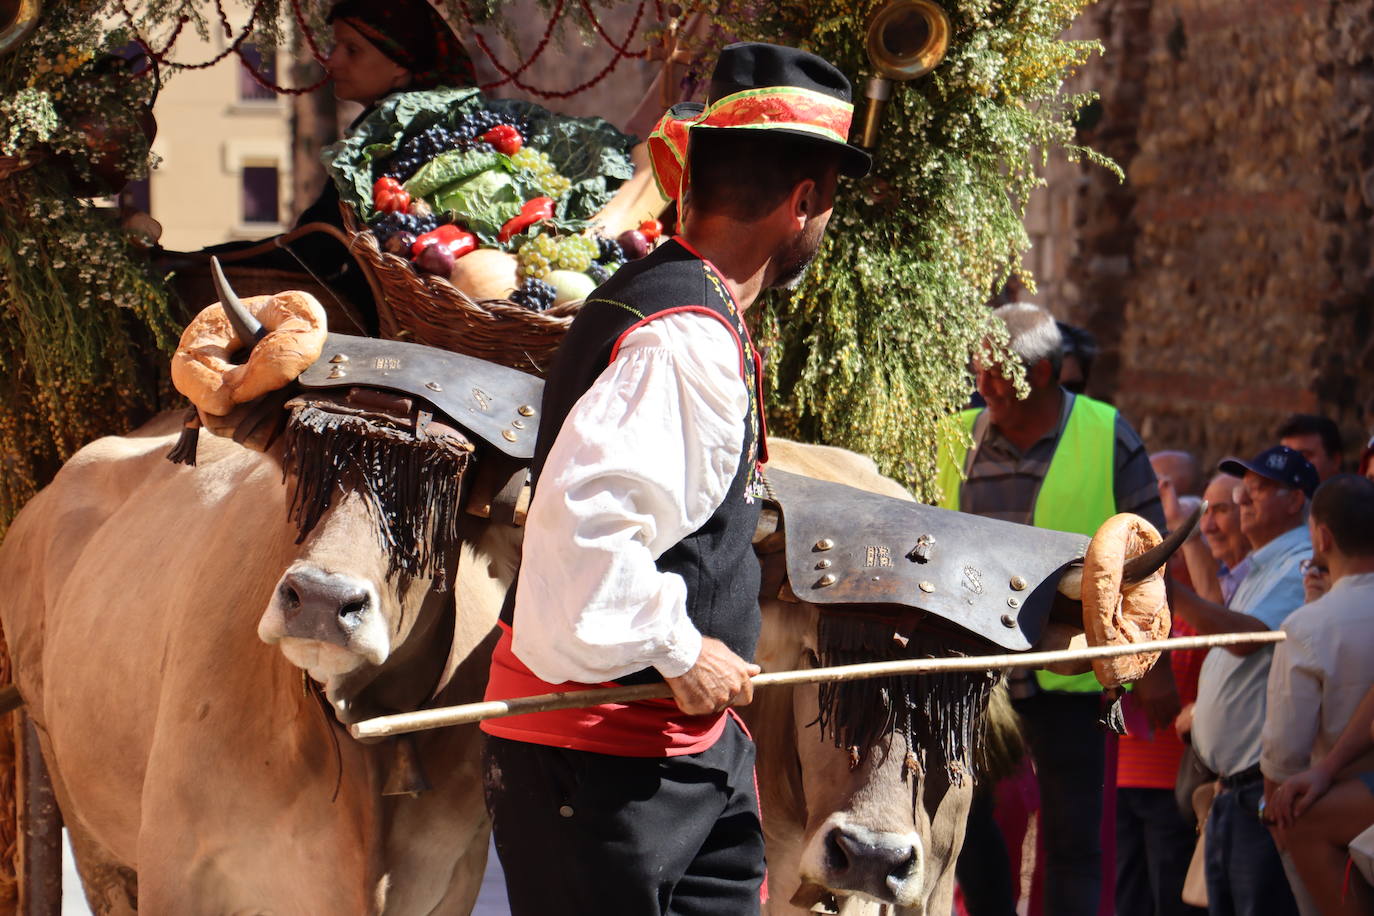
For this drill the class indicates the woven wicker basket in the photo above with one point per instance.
(430, 310)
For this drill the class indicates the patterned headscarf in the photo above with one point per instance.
(414, 35)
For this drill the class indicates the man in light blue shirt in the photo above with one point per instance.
(1245, 876)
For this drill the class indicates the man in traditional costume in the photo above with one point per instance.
(637, 563)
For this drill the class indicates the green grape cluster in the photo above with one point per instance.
(532, 160)
(537, 256)
(554, 185)
(577, 252)
(545, 176)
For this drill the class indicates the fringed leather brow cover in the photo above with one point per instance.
(992, 578)
(940, 713)
(409, 469)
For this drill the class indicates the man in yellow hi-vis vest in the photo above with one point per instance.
(1064, 461)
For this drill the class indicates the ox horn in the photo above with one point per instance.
(17, 20)
(248, 328)
(1138, 569)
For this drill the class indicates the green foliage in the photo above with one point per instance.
(351, 162)
(81, 318)
(871, 350)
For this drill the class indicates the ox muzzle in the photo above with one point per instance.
(851, 860)
(326, 623)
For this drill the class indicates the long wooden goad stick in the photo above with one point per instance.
(384, 726)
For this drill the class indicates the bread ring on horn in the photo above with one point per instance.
(1113, 616)
(201, 370)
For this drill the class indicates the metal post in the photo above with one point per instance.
(40, 832)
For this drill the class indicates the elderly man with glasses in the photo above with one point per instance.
(1245, 875)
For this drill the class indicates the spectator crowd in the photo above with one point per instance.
(1244, 782)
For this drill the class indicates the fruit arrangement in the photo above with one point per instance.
(499, 196)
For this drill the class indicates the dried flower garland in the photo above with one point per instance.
(78, 307)
(871, 351)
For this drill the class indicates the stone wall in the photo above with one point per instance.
(1229, 278)
(1343, 360)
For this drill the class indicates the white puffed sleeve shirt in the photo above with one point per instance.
(643, 459)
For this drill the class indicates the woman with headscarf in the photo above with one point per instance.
(383, 47)
(380, 47)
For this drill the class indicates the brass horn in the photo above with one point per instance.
(906, 39)
(17, 19)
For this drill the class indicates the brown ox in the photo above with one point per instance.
(869, 834)
(197, 776)
(195, 773)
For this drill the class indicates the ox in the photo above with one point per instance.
(875, 833)
(194, 771)
(198, 776)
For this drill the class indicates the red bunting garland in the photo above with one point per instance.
(512, 76)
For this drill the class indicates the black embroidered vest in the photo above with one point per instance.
(716, 561)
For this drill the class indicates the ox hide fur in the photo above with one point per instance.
(193, 771)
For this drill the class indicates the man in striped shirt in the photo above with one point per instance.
(1063, 461)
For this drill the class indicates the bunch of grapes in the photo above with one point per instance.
(542, 170)
(553, 185)
(406, 161)
(462, 134)
(576, 252)
(472, 124)
(532, 160)
(537, 256)
(609, 252)
(388, 224)
(601, 272)
(533, 294)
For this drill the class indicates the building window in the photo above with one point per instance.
(260, 194)
(250, 90)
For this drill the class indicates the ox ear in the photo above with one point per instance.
(257, 424)
(1057, 636)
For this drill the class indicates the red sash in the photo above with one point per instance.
(650, 728)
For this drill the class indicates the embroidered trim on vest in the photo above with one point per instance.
(698, 309)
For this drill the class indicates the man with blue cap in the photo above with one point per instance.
(1245, 874)
(637, 563)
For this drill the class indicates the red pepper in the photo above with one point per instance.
(389, 197)
(651, 228)
(532, 212)
(457, 241)
(505, 138)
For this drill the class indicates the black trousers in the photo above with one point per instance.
(584, 833)
(1069, 750)
(984, 866)
(1153, 848)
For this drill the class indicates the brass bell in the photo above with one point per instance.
(906, 40)
(17, 20)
